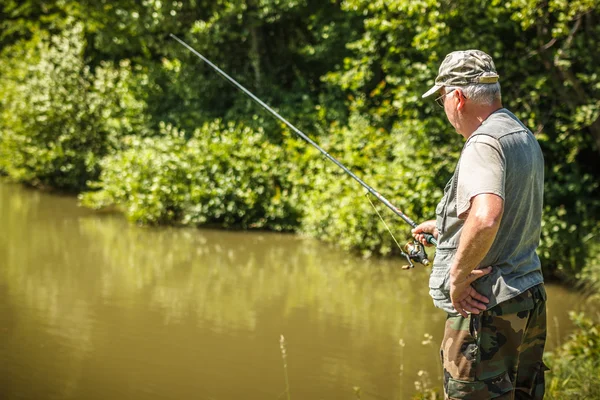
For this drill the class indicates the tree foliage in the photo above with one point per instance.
(59, 118)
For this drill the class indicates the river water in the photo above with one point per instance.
(92, 307)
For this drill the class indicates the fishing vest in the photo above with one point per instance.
(502, 157)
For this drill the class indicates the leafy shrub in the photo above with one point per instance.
(58, 118)
(575, 366)
(570, 225)
(224, 175)
(590, 275)
(397, 165)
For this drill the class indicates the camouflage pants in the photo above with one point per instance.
(497, 354)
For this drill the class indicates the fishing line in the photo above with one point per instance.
(421, 256)
(413, 251)
(384, 223)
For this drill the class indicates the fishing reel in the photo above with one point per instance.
(414, 251)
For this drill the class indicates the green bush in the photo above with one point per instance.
(57, 118)
(590, 275)
(575, 366)
(396, 164)
(570, 225)
(223, 175)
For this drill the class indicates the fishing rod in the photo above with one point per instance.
(415, 250)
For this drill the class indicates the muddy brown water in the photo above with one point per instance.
(92, 307)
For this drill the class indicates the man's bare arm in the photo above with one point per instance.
(478, 234)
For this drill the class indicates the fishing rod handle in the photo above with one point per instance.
(430, 239)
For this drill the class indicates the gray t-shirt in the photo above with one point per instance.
(501, 157)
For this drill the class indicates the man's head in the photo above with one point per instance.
(468, 89)
(464, 68)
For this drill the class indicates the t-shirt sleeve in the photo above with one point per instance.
(481, 170)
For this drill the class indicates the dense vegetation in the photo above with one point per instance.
(98, 100)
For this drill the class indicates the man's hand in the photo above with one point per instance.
(464, 298)
(425, 227)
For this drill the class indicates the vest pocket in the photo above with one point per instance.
(439, 283)
(439, 279)
(437, 289)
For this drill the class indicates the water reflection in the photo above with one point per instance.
(92, 307)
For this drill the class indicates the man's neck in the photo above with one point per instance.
(479, 114)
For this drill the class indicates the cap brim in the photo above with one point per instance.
(431, 91)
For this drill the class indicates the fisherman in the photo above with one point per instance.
(486, 273)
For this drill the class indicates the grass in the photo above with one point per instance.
(575, 366)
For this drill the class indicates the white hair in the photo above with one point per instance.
(484, 94)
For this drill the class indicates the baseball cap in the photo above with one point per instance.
(465, 67)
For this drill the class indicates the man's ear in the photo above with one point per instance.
(460, 98)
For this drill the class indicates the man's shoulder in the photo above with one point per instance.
(483, 139)
(499, 124)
